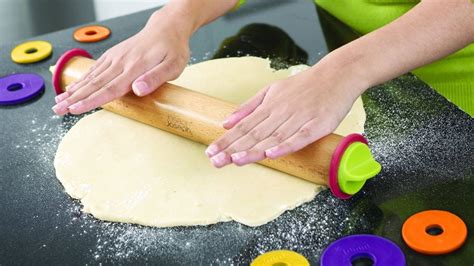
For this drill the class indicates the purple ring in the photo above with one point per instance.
(381, 251)
(19, 88)
(336, 159)
(62, 61)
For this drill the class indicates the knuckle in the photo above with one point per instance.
(112, 90)
(230, 150)
(305, 132)
(96, 80)
(289, 147)
(89, 77)
(240, 129)
(255, 134)
(278, 136)
(119, 58)
(168, 67)
(108, 87)
(221, 143)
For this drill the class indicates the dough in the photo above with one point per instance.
(125, 171)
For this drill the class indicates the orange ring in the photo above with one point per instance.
(452, 232)
(91, 33)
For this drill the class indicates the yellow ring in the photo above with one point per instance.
(31, 52)
(280, 257)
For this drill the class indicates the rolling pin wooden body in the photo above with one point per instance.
(199, 117)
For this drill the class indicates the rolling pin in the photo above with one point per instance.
(342, 163)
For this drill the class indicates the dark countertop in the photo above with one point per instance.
(423, 142)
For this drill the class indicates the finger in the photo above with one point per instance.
(98, 79)
(99, 63)
(83, 92)
(72, 86)
(257, 134)
(59, 98)
(236, 132)
(308, 133)
(257, 152)
(155, 77)
(92, 73)
(221, 159)
(107, 93)
(245, 109)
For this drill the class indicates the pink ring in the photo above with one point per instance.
(336, 159)
(62, 61)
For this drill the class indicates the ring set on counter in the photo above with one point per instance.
(431, 232)
(21, 87)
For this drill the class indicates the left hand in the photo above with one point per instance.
(283, 118)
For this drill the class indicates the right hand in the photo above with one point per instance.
(156, 54)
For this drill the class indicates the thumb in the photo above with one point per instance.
(155, 77)
(245, 109)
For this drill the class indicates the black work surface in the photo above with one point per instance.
(423, 142)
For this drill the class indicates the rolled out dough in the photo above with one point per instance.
(125, 171)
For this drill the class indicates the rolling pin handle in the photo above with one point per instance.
(351, 166)
(61, 64)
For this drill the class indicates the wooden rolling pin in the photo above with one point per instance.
(199, 117)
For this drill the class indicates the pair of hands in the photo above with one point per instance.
(282, 118)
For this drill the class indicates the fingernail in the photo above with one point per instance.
(61, 97)
(239, 155)
(272, 152)
(228, 120)
(140, 88)
(212, 150)
(55, 110)
(60, 106)
(219, 159)
(75, 106)
(69, 87)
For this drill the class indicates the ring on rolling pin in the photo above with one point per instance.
(31, 52)
(280, 257)
(340, 169)
(19, 88)
(363, 248)
(434, 232)
(62, 61)
(342, 163)
(93, 33)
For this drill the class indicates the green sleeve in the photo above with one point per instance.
(452, 77)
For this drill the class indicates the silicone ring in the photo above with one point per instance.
(20, 87)
(452, 232)
(379, 250)
(94, 33)
(336, 159)
(280, 257)
(62, 61)
(31, 52)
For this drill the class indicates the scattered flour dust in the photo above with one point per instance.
(306, 229)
